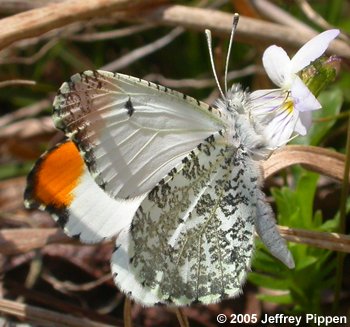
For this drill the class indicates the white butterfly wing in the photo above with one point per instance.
(192, 238)
(61, 184)
(131, 132)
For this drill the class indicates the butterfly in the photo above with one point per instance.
(176, 181)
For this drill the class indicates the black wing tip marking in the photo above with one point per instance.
(76, 236)
(129, 107)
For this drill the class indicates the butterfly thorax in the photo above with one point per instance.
(244, 131)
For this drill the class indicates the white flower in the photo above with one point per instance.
(288, 109)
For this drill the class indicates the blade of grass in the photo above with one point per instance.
(127, 313)
(183, 321)
(342, 221)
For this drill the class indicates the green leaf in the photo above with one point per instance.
(278, 299)
(14, 170)
(305, 193)
(268, 281)
(305, 262)
(331, 102)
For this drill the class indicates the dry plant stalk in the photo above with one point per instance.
(249, 30)
(44, 317)
(254, 31)
(323, 240)
(323, 161)
(22, 240)
(38, 21)
(16, 82)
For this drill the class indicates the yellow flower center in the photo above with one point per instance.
(288, 104)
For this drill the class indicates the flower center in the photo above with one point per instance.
(288, 105)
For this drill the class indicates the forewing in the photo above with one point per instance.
(61, 184)
(130, 132)
(191, 240)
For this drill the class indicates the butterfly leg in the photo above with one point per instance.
(265, 225)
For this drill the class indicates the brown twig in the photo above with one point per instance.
(127, 313)
(21, 240)
(323, 161)
(16, 82)
(67, 286)
(323, 240)
(25, 112)
(28, 127)
(143, 51)
(54, 303)
(278, 15)
(252, 31)
(38, 21)
(199, 83)
(15, 6)
(16, 241)
(181, 317)
(32, 59)
(45, 317)
(101, 36)
(316, 18)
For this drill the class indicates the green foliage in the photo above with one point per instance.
(300, 287)
(324, 119)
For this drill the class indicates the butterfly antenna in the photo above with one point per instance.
(210, 48)
(233, 30)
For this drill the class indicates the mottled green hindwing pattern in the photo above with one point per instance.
(192, 238)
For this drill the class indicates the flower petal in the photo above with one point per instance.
(312, 50)
(269, 108)
(304, 122)
(266, 101)
(303, 99)
(277, 64)
(281, 128)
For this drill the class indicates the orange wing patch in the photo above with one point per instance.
(54, 177)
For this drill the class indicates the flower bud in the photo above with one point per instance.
(320, 73)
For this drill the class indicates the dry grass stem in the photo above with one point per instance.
(278, 15)
(329, 241)
(15, 6)
(127, 313)
(45, 317)
(38, 21)
(199, 83)
(323, 161)
(101, 36)
(32, 59)
(181, 317)
(316, 18)
(143, 51)
(66, 286)
(16, 82)
(25, 112)
(22, 240)
(252, 31)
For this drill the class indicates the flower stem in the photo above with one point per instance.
(342, 222)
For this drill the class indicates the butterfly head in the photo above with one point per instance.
(245, 130)
(237, 100)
